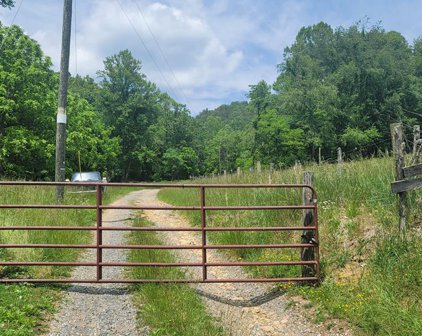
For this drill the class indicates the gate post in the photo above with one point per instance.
(308, 236)
(99, 233)
(398, 152)
(204, 234)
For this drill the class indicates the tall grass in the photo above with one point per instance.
(371, 273)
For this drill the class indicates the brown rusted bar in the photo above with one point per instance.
(45, 206)
(46, 263)
(128, 207)
(161, 185)
(261, 207)
(159, 280)
(99, 218)
(71, 228)
(240, 207)
(149, 228)
(262, 228)
(157, 264)
(157, 247)
(203, 234)
(318, 270)
(78, 246)
(156, 228)
(199, 247)
(213, 264)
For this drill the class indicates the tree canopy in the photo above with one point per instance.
(335, 87)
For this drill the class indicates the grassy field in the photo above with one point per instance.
(169, 309)
(24, 308)
(371, 273)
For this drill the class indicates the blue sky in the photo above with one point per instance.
(203, 53)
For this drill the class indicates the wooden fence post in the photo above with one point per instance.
(238, 171)
(270, 173)
(398, 152)
(319, 156)
(258, 166)
(308, 253)
(416, 144)
(339, 156)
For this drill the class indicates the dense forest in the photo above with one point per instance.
(335, 87)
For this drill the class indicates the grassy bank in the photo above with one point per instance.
(371, 274)
(169, 309)
(24, 308)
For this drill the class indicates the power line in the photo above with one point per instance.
(11, 23)
(17, 12)
(418, 114)
(161, 51)
(146, 48)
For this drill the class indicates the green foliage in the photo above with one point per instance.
(336, 87)
(7, 3)
(125, 105)
(25, 154)
(27, 106)
(276, 142)
(178, 164)
(88, 137)
(354, 138)
(354, 81)
(258, 95)
(23, 308)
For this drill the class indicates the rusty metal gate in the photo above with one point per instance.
(203, 208)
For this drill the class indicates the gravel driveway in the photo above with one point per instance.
(100, 309)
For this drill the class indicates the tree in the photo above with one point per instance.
(276, 141)
(178, 164)
(7, 3)
(27, 107)
(89, 138)
(336, 84)
(86, 88)
(129, 104)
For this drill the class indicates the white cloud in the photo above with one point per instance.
(195, 54)
(215, 48)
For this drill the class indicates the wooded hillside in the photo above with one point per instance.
(335, 87)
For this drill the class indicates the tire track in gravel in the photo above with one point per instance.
(100, 309)
(244, 308)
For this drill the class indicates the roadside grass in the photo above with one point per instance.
(169, 309)
(371, 274)
(24, 308)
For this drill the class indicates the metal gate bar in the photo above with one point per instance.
(203, 208)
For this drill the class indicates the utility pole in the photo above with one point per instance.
(61, 111)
